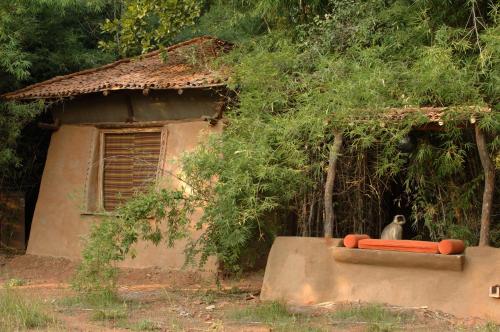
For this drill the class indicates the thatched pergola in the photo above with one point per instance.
(434, 118)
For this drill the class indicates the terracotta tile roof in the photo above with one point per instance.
(184, 68)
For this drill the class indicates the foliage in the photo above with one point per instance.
(15, 282)
(145, 325)
(113, 238)
(276, 315)
(272, 154)
(13, 118)
(16, 313)
(378, 317)
(105, 315)
(344, 66)
(40, 39)
(104, 306)
(143, 25)
(100, 301)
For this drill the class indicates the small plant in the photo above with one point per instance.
(145, 325)
(94, 300)
(15, 282)
(490, 327)
(16, 313)
(113, 238)
(105, 306)
(209, 297)
(276, 315)
(109, 314)
(236, 290)
(265, 313)
(376, 316)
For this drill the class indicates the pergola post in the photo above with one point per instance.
(489, 186)
(330, 179)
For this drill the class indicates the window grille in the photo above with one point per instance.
(130, 164)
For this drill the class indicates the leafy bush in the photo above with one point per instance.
(112, 239)
(302, 74)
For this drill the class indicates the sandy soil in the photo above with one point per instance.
(179, 301)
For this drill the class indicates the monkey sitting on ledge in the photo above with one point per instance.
(394, 231)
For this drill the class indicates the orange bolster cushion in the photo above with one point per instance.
(351, 240)
(451, 247)
(400, 245)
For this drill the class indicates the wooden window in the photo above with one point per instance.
(129, 162)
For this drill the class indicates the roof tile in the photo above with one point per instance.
(185, 67)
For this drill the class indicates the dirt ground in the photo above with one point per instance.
(153, 299)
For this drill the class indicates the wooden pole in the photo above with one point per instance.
(489, 184)
(330, 179)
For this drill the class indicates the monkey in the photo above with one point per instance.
(394, 231)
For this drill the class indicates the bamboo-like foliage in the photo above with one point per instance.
(295, 84)
(143, 25)
(40, 39)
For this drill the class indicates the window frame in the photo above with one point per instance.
(100, 175)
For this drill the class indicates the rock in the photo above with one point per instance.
(210, 307)
(183, 313)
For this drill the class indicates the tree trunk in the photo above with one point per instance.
(330, 179)
(489, 183)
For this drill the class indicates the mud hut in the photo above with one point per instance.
(115, 130)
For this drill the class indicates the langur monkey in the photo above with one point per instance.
(394, 231)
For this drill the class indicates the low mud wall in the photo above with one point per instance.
(304, 271)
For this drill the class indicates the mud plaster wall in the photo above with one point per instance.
(58, 222)
(302, 270)
(157, 106)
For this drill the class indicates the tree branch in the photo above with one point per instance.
(489, 184)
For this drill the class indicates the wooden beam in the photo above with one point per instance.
(130, 109)
(330, 180)
(489, 186)
(142, 124)
(50, 126)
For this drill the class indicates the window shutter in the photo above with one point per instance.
(147, 152)
(130, 165)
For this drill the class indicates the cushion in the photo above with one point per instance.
(451, 247)
(351, 240)
(400, 245)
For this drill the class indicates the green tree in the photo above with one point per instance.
(143, 25)
(300, 74)
(40, 39)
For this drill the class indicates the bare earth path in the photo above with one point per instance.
(157, 300)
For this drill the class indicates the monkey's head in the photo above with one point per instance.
(399, 219)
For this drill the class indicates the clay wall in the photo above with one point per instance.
(303, 270)
(63, 213)
(156, 106)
